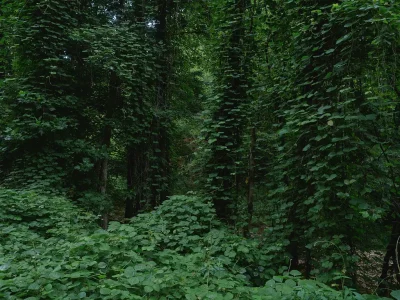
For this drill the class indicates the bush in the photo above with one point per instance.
(51, 250)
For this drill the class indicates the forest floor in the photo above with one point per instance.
(370, 266)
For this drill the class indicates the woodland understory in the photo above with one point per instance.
(199, 149)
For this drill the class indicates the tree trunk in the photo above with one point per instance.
(103, 174)
(160, 180)
(392, 253)
(229, 118)
(250, 183)
(137, 177)
(112, 102)
(129, 210)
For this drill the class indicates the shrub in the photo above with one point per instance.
(51, 250)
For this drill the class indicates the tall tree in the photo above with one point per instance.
(329, 133)
(227, 121)
(40, 96)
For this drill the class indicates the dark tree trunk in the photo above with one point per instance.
(129, 202)
(229, 119)
(103, 174)
(137, 153)
(308, 265)
(294, 251)
(112, 103)
(250, 183)
(164, 148)
(393, 248)
(136, 179)
(161, 174)
(391, 254)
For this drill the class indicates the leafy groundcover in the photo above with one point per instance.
(50, 249)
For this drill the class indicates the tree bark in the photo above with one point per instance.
(229, 118)
(160, 178)
(136, 179)
(112, 102)
(391, 254)
(250, 183)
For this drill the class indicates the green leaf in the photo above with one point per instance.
(331, 177)
(243, 249)
(348, 182)
(105, 291)
(395, 294)
(343, 38)
(331, 89)
(228, 296)
(291, 283)
(295, 273)
(34, 286)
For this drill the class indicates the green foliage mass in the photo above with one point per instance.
(281, 116)
(179, 251)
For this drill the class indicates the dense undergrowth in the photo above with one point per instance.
(50, 249)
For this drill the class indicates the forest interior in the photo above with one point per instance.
(199, 149)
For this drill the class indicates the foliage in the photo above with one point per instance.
(330, 130)
(166, 254)
(278, 119)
